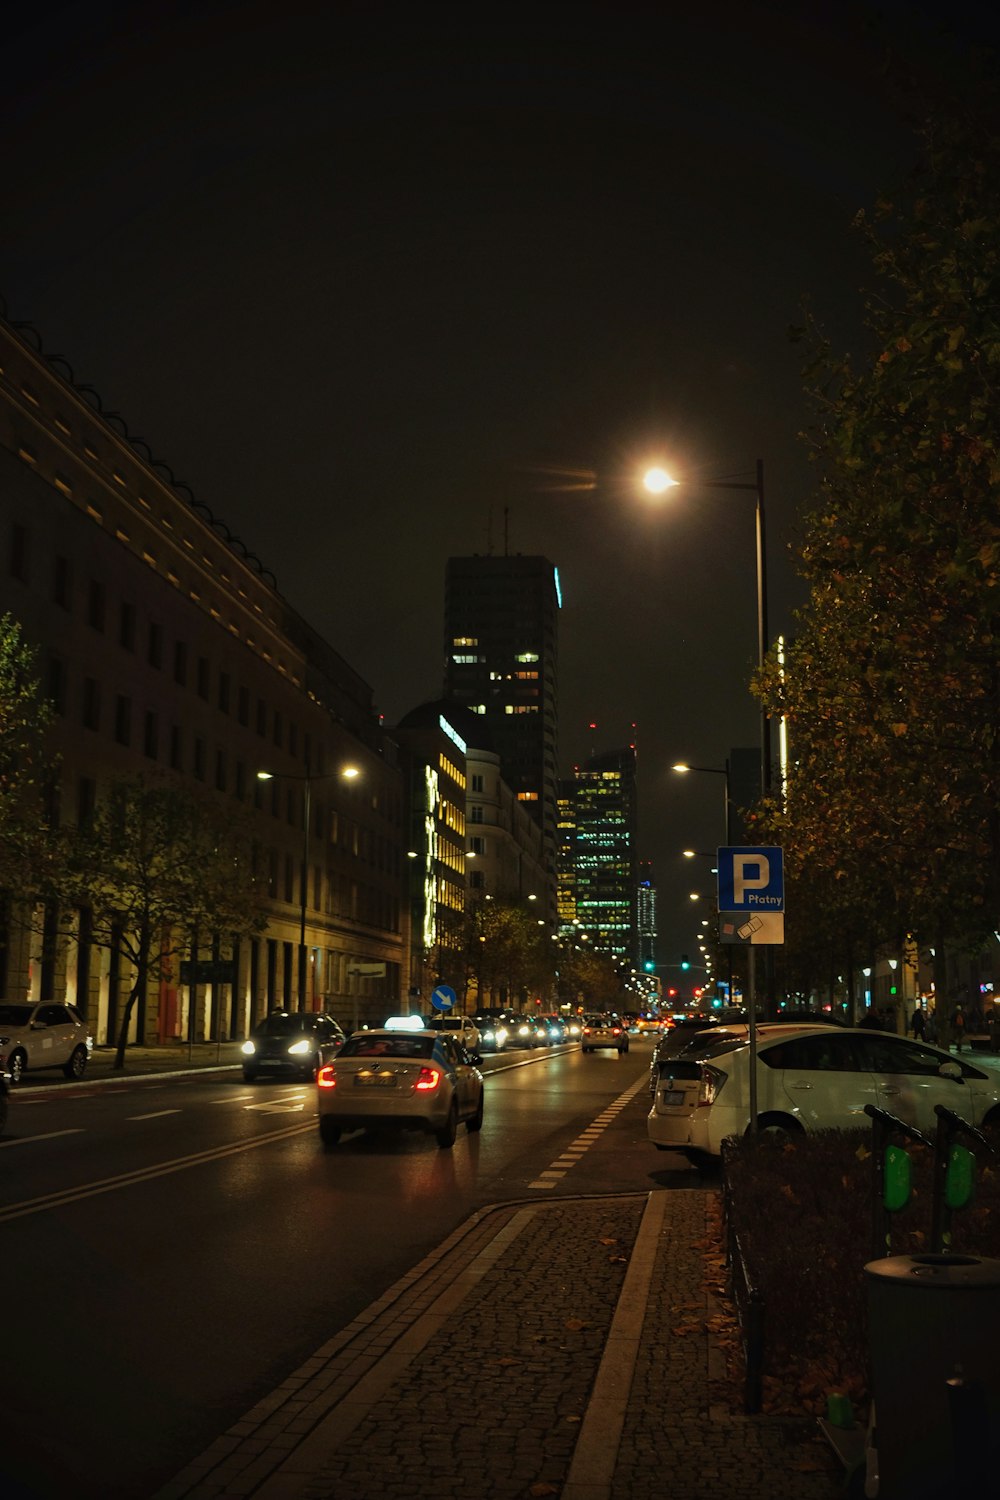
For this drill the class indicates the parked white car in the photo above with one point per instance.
(813, 1078)
(45, 1034)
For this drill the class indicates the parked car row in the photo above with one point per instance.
(809, 1077)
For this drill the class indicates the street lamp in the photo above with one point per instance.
(346, 773)
(656, 481)
(682, 768)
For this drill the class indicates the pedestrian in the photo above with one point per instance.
(958, 1027)
(932, 1030)
(871, 1020)
(919, 1024)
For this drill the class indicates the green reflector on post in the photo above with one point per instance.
(960, 1177)
(897, 1179)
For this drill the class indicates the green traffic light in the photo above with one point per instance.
(685, 963)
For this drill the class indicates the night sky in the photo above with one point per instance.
(368, 280)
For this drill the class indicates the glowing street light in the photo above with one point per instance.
(656, 481)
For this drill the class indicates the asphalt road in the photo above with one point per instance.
(178, 1245)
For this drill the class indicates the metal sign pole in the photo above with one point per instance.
(752, 1023)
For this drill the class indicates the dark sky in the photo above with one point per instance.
(362, 276)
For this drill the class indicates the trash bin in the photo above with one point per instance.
(934, 1342)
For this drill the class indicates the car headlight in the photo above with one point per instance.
(248, 1049)
(298, 1047)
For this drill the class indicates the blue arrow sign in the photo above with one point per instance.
(444, 997)
(751, 880)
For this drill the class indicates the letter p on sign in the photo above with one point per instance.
(751, 872)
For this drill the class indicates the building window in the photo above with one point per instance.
(243, 706)
(91, 703)
(126, 627)
(150, 736)
(224, 692)
(155, 646)
(60, 582)
(477, 783)
(57, 685)
(180, 663)
(477, 880)
(86, 801)
(477, 845)
(19, 553)
(123, 719)
(95, 605)
(477, 815)
(203, 677)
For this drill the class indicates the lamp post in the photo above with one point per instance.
(682, 768)
(656, 481)
(347, 773)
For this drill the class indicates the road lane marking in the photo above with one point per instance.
(144, 1174)
(29, 1140)
(156, 1115)
(558, 1168)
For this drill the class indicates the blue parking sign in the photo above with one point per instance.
(751, 880)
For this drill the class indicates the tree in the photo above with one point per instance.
(891, 687)
(155, 866)
(26, 767)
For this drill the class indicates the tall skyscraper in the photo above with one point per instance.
(646, 917)
(604, 793)
(500, 625)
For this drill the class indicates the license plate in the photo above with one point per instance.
(673, 1096)
(375, 1080)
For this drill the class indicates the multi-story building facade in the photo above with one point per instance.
(167, 651)
(604, 853)
(501, 618)
(646, 917)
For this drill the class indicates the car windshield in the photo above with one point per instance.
(15, 1015)
(281, 1025)
(397, 1044)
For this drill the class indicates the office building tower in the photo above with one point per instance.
(605, 862)
(501, 618)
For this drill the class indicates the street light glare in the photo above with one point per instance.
(680, 766)
(657, 480)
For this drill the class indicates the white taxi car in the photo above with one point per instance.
(813, 1078)
(401, 1080)
(43, 1034)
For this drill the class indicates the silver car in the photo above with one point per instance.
(43, 1034)
(400, 1080)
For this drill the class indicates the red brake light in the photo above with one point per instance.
(586, 1031)
(427, 1080)
(326, 1078)
(616, 1031)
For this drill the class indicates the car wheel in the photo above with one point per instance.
(779, 1127)
(476, 1121)
(15, 1065)
(446, 1135)
(584, 1049)
(77, 1065)
(329, 1132)
(249, 1075)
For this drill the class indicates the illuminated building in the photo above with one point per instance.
(604, 856)
(500, 618)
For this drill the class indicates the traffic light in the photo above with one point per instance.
(685, 961)
(649, 966)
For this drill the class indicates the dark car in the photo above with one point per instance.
(291, 1044)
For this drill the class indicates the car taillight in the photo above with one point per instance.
(616, 1031)
(586, 1031)
(327, 1077)
(710, 1085)
(427, 1080)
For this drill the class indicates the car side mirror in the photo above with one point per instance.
(952, 1070)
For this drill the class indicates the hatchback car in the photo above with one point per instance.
(603, 1031)
(43, 1035)
(813, 1078)
(419, 1080)
(290, 1044)
(494, 1030)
